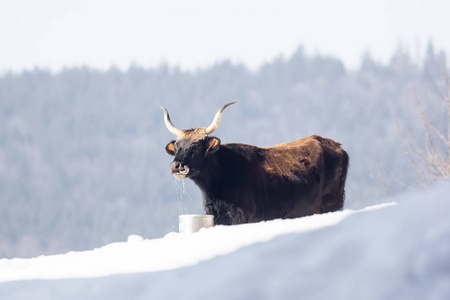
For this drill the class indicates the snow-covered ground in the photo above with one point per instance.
(383, 252)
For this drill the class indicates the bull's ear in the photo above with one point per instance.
(170, 148)
(213, 145)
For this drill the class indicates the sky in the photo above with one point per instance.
(194, 34)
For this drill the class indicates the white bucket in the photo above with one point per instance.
(193, 223)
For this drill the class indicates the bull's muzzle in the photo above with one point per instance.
(179, 170)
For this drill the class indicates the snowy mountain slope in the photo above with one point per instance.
(396, 252)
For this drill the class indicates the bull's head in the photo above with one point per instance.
(192, 146)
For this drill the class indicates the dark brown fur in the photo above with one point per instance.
(243, 183)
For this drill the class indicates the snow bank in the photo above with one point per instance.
(173, 251)
(396, 252)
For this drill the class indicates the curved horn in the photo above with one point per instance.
(211, 128)
(169, 124)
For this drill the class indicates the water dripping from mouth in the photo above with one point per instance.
(182, 195)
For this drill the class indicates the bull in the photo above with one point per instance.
(242, 183)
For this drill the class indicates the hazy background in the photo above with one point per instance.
(82, 160)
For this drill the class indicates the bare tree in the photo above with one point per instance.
(430, 155)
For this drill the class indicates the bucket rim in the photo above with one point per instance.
(196, 216)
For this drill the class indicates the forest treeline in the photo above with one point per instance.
(82, 159)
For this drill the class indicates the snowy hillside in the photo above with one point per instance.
(384, 252)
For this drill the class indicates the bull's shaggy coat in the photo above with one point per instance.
(243, 183)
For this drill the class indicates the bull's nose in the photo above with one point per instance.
(179, 170)
(175, 167)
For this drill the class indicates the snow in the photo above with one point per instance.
(173, 251)
(384, 252)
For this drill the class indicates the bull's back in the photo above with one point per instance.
(293, 177)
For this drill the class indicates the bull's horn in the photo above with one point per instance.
(211, 128)
(169, 124)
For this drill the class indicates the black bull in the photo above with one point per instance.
(243, 183)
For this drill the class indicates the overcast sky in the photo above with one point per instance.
(197, 33)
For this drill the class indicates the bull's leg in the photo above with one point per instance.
(226, 213)
(334, 200)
